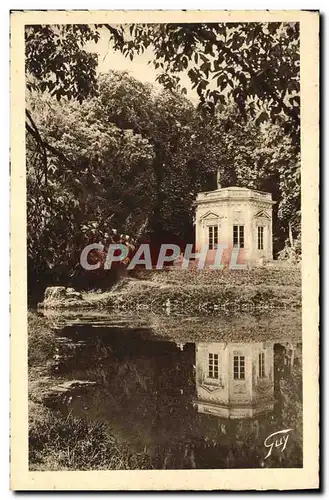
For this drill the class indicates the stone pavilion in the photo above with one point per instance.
(235, 217)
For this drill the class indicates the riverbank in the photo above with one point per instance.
(192, 291)
(60, 441)
(232, 326)
(57, 441)
(175, 305)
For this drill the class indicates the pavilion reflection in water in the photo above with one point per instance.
(144, 388)
(234, 380)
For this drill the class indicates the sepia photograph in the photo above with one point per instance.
(164, 227)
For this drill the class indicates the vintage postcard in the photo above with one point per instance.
(164, 250)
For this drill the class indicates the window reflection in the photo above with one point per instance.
(234, 380)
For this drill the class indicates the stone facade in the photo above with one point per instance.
(235, 217)
(234, 380)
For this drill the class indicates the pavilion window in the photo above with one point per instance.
(238, 236)
(261, 365)
(212, 237)
(213, 367)
(260, 237)
(239, 367)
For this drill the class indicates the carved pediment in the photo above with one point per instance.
(261, 214)
(209, 215)
(264, 386)
(210, 388)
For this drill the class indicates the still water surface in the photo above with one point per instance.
(186, 403)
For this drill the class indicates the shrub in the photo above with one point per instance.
(41, 340)
(57, 442)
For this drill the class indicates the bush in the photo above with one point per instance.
(41, 341)
(57, 442)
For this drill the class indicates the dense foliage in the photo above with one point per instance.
(255, 65)
(111, 159)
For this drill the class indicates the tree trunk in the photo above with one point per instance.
(218, 184)
(291, 239)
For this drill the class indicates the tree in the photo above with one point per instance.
(94, 191)
(265, 158)
(184, 159)
(255, 65)
(132, 159)
(56, 60)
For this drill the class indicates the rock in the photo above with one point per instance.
(72, 294)
(73, 384)
(59, 295)
(62, 392)
(54, 293)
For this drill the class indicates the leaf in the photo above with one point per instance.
(262, 117)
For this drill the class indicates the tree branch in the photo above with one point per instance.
(34, 131)
(115, 33)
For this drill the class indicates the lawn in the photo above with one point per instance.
(197, 292)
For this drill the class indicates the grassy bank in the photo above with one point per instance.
(59, 442)
(69, 443)
(64, 442)
(195, 292)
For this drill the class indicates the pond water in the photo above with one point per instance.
(187, 400)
